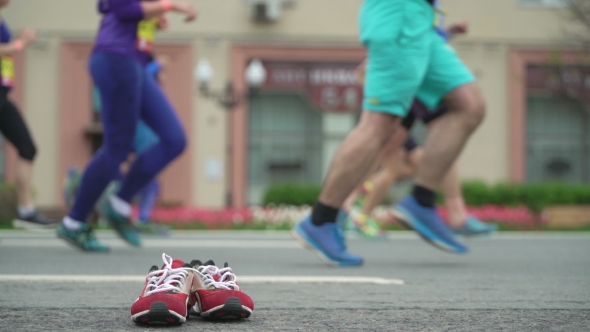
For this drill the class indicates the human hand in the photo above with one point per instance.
(361, 70)
(186, 8)
(163, 23)
(458, 28)
(27, 35)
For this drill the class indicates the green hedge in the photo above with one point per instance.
(8, 202)
(292, 194)
(477, 193)
(535, 196)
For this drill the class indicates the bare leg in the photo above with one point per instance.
(356, 155)
(24, 173)
(451, 187)
(446, 140)
(382, 180)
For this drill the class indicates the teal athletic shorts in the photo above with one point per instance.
(406, 57)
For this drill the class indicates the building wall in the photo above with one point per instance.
(496, 27)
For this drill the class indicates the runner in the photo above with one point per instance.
(397, 164)
(14, 128)
(144, 139)
(407, 58)
(127, 94)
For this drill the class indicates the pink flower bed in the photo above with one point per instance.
(514, 216)
(208, 217)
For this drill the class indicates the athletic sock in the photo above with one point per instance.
(120, 206)
(71, 224)
(424, 196)
(322, 214)
(26, 211)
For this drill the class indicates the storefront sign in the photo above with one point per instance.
(572, 81)
(329, 87)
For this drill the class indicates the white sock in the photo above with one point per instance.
(72, 224)
(120, 206)
(25, 211)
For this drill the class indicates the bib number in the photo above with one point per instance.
(439, 18)
(7, 71)
(146, 33)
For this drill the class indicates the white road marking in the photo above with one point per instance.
(241, 279)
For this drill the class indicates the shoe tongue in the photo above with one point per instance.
(209, 262)
(153, 268)
(176, 264)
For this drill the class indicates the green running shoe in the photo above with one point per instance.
(475, 227)
(150, 228)
(121, 224)
(367, 227)
(82, 238)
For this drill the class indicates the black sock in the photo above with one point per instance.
(424, 196)
(322, 214)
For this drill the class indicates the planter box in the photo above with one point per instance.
(568, 215)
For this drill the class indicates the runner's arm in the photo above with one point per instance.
(27, 36)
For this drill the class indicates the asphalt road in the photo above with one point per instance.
(510, 282)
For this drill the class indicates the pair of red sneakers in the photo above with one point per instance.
(177, 289)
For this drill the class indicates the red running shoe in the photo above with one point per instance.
(216, 293)
(165, 296)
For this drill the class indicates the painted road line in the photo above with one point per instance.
(242, 279)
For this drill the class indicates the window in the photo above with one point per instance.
(285, 143)
(558, 123)
(558, 140)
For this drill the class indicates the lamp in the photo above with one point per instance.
(255, 76)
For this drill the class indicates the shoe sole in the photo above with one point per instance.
(401, 218)
(232, 309)
(407, 222)
(158, 314)
(306, 243)
(23, 224)
(311, 248)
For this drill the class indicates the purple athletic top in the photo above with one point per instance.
(118, 29)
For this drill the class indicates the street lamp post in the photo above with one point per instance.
(229, 98)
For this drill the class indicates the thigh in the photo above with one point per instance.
(445, 73)
(396, 34)
(119, 82)
(157, 112)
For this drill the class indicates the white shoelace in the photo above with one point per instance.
(167, 279)
(227, 279)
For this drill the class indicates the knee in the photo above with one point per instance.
(175, 144)
(28, 151)
(476, 111)
(470, 102)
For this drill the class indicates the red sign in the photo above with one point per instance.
(328, 87)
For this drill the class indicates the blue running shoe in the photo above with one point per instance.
(428, 224)
(326, 241)
(475, 227)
